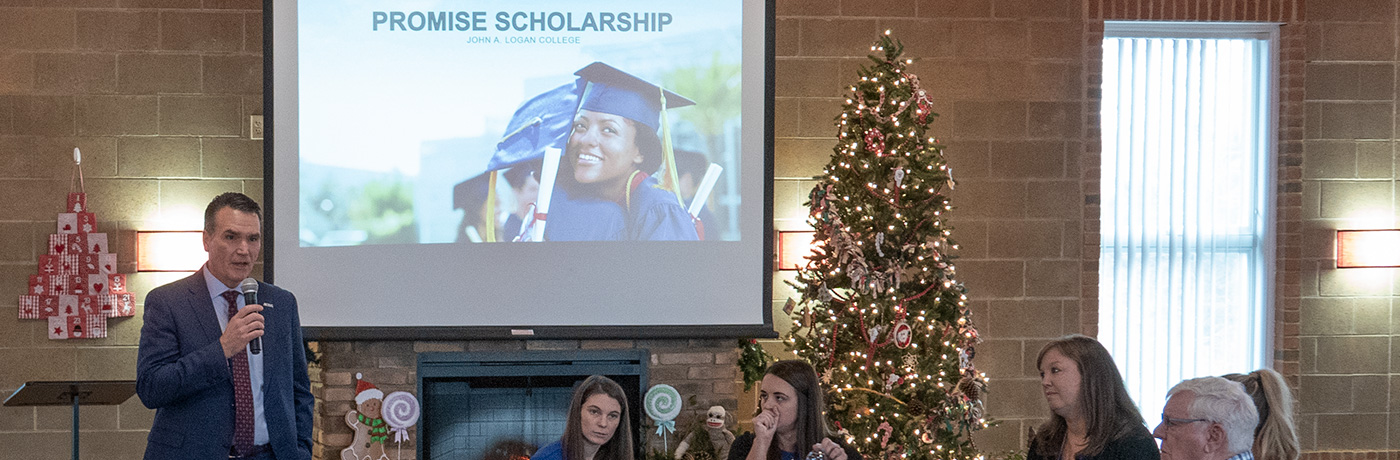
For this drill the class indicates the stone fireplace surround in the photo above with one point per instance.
(704, 371)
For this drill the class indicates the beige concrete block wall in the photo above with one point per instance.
(156, 94)
(1348, 379)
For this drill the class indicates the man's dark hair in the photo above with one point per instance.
(515, 176)
(235, 200)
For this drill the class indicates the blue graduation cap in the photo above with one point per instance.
(543, 121)
(615, 92)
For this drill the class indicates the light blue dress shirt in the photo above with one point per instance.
(255, 362)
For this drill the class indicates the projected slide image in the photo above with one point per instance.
(520, 121)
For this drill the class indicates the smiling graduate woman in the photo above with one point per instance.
(1092, 416)
(598, 426)
(615, 147)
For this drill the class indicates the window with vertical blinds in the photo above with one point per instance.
(1186, 247)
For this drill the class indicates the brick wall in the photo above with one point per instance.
(702, 369)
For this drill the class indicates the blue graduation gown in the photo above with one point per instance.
(573, 218)
(654, 214)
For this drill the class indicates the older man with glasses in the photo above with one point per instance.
(1208, 418)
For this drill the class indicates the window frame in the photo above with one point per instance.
(1270, 133)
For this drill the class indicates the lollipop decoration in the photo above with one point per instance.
(400, 412)
(663, 404)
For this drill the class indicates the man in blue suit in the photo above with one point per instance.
(213, 398)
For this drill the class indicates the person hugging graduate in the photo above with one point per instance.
(541, 124)
(618, 139)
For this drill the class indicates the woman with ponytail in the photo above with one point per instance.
(1276, 436)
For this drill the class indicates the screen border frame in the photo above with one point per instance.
(764, 330)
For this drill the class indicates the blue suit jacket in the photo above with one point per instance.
(181, 372)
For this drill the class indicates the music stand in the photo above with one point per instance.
(100, 392)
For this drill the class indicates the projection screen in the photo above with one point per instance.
(520, 168)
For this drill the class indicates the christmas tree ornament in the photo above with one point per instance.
(875, 141)
(892, 380)
(903, 335)
(874, 334)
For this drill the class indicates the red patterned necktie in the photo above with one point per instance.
(242, 389)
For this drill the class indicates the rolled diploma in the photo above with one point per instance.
(548, 173)
(706, 186)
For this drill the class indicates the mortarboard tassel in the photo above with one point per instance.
(670, 181)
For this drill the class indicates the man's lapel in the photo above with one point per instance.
(202, 307)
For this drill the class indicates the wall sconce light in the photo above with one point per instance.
(169, 251)
(793, 247)
(1368, 248)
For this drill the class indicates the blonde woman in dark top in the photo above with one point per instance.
(1092, 416)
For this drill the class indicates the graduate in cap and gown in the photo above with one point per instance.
(470, 196)
(542, 123)
(618, 139)
(612, 129)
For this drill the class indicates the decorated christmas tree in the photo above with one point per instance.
(882, 316)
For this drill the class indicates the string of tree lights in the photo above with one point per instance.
(882, 316)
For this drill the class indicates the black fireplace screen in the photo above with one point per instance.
(505, 405)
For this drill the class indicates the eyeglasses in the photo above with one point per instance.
(1168, 421)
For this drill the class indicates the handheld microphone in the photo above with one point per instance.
(249, 288)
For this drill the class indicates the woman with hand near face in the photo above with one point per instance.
(598, 427)
(1092, 416)
(790, 424)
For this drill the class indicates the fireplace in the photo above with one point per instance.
(508, 403)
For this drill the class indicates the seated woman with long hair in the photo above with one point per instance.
(598, 427)
(1276, 437)
(1092, 416)
(790, 423)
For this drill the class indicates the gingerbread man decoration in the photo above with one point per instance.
(371, 433)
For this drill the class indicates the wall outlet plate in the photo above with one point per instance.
(255, 125)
